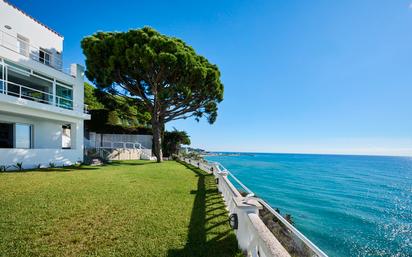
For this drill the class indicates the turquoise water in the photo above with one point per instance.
(347, 205)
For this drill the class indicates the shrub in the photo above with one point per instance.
(19, 166)
(52, 165)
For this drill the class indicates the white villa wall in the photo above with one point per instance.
(46, 119)
(47, 142)
(46, 133)
(26, 26)
(33, 157)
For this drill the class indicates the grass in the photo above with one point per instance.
(133, 208)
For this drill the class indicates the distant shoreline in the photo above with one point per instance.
(330, 154)
(227, 154)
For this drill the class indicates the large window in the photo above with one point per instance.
(23, 136)
(15, 135)
(6, 135)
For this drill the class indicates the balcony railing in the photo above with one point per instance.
(28, 93)
(22, 46)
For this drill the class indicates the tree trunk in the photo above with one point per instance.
(157, 138)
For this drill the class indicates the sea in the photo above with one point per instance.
(347, 205)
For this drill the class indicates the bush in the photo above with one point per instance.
(19, 166)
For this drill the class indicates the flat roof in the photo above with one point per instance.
(34, 19)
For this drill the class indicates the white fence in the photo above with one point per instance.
(252, 234)
(120, 146)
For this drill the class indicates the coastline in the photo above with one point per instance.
(311, 187)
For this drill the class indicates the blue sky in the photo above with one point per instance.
(299, 76)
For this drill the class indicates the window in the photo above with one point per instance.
(66, 137)
(6, 135)
(23, 45)
(23, 136)
(44, 56)
(64, 97)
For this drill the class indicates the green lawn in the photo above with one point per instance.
(122, 209)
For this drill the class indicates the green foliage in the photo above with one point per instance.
(91, 98)
(19, 166)
(113, 118)
(163, 73)
(52, 165)
(120, 114)
(172, 141)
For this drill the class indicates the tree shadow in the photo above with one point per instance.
(209, 230)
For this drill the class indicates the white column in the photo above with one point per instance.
(77, 71)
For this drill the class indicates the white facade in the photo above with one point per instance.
(41, 106)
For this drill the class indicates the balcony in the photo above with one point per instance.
(21, 45)
(29, 93)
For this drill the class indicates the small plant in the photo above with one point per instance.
(79, 164)
(289, 219)
(52, 165)
(19, 166)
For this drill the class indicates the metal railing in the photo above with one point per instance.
(22, 46)
(32, 94)
(251, 236)
(123, 145)
(245, 188)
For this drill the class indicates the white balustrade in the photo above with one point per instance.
(252, 234)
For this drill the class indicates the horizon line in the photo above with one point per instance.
(303, 153)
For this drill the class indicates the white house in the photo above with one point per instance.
(41, 103)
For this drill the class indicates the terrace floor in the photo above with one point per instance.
(133, 208)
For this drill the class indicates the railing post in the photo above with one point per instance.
(244, 234)
(54, 92)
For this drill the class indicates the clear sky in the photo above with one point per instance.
(300, 76)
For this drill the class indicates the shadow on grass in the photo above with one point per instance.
(209, 232)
